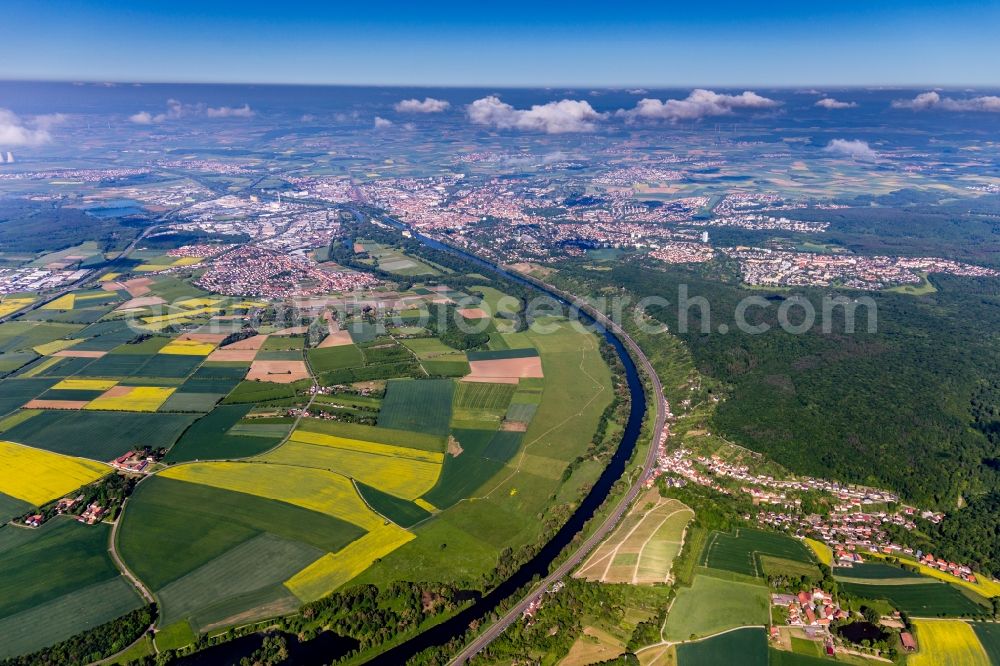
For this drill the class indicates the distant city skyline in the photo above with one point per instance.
(525, 44)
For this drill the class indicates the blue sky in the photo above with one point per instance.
(878, 42)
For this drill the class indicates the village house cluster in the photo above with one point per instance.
(857, 521)
(759, 222)
(767, 267)
(77, 175)
(633, 175)
(683, 253)
(262, 272)
(738, 203)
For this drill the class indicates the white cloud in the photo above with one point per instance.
(13, 131)
(429, 105)
(176, 110)
(637, 91)
(142, 118)
(382, 123)
(566, 115)
(307, 118)
(831, 103)
(230, 112)
(934, 100)
(699, 104)
(854, 148)
(49, 120)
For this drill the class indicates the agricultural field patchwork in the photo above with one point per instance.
(313, 489)
(272, 517)
(99, 435)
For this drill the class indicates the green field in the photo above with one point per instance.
(261, 392)
(427, 347)
(450, 365)
(400, 511)
(211, 372)
(417, 405)
(177, 635)
(169, 365)
(210, 521)
(99, 435)
(11, 507)
(931, 599)
(198, 402)
(513, 352)
(335, 358)
(208, 438)
(712, 605)
(15, 360)
(989, 636)
(66, 616)
(77, 552)
(16, 392)
(740, 552)
(261, 562)
(482, 395)
(461, 476)
(746, 647)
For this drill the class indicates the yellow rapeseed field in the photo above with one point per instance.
(187, 261)
(334, 569)
(425, 505)
(86, 384)
(367, 447)
(197, 302)
(38, 476)
(13, 304)
(55, 346)
(108, 277)
(822, 551)
(403, 477)
(65, 302)
(947, 643)
(315, 489)
(188, 348)
(135, 399)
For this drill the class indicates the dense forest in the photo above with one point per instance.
(28, 226)
(912, 407)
